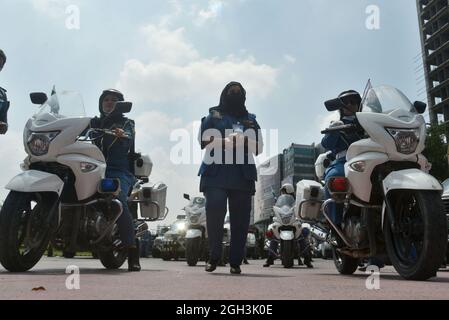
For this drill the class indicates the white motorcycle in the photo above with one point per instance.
(62, 192)
(391, 204)
(196, 235)
(286, 229)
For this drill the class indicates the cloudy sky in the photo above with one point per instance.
(172, 59)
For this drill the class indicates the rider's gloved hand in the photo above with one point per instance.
(336, 124)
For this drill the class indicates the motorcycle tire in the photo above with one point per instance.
(113, 259)
(287, 256)
(345, 264)
(193, 251)
(417, 248)
(19, 217)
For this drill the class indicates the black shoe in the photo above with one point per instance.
(236, 270)
(133, 259)
(308, 264)
(270, 262)
(245, 261)
(300, 262)
(211, 266)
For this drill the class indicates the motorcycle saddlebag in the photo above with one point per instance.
(309, 197)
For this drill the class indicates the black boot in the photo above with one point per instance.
(211, 265)
(133, 258)
(270, 262)
(308, 262)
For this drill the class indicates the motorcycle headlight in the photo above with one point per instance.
(286, 219)
(39, 142)
(194, 219)
(406, 139)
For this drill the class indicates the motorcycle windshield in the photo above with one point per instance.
(285, 200)
(386, 99)
(60, 105)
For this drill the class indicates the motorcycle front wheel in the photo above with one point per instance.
(193, 251)
(418, 244)
(24, 231)
(287, 256)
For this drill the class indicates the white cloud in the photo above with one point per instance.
(289, 58)
(155, 126)
(212, 11)
(168, 46)
(52, 8)
(197, 82)
(178, 73)
(323, 120)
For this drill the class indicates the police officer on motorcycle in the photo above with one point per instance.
(231, 137)
(304, 246)
(118, 150)
(4, 103)
(338, 143)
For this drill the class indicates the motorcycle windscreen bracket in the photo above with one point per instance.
(32, 181)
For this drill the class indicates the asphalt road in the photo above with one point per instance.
(174, 280)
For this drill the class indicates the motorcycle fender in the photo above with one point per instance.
(193, 233)
(287, 235)
(32, 181)
(410, 179)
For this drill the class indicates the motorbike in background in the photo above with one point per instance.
(196, 235)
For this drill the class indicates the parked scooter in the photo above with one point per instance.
(391, 204)
(196, 235)
(62, 191)
(286, 229)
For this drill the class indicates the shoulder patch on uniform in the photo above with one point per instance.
(216, 114)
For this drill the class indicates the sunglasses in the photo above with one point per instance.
(350, 101)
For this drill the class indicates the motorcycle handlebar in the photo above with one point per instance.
(346, 127)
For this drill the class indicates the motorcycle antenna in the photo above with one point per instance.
(368, 87)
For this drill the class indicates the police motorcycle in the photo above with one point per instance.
(62, 191)
(392, 206)
(174, 240)
(286, 229)
(310, 195)
(196, 235)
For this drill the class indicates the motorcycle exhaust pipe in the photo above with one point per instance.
(337, 229)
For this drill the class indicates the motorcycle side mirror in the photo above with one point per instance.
(334, 104)
(38, 97)
(186, 196)
(420, 107)
(123, 106)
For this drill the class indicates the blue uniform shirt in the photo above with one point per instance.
(116, 150)
(336, 142)
(230, 176)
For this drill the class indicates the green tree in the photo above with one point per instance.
(436, 151)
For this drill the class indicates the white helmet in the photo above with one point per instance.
(288, 188)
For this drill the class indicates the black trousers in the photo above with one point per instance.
(239, 210)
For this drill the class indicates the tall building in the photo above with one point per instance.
(299, 163)
(434, 26)
(267, 188)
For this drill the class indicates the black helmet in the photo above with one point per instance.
(112, 92)
(350, 97)
(3, 56)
